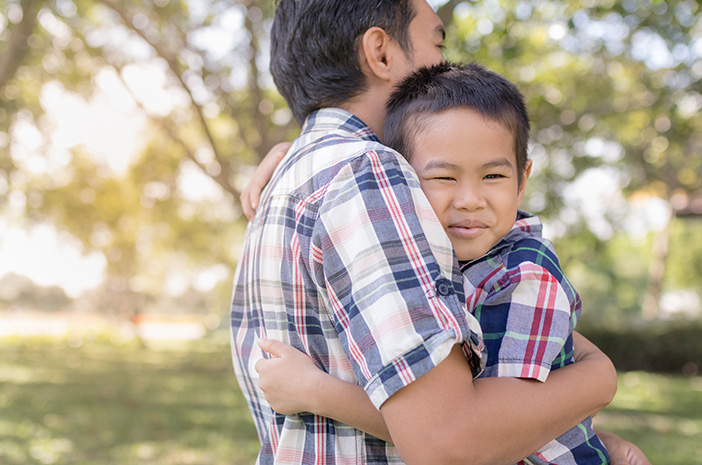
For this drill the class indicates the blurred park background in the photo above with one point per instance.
(128, 129)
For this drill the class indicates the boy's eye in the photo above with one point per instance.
(444, 178)
(494, 176)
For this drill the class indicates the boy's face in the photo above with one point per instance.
(468, 170)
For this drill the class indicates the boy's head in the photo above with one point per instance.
(319, 49)
(465, 131)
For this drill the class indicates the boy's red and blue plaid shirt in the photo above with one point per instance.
(527, 310)
(346, 261)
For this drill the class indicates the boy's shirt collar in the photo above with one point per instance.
(525, 223)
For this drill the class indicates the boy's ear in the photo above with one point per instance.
(375, 53)
(525, 177)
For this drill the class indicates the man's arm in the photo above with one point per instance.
(446, 417)
(292, 384)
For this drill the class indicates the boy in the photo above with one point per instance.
(465, 131)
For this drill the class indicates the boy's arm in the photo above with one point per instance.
(252, 192)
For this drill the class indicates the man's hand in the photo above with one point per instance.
(252, 192)
(622, 452)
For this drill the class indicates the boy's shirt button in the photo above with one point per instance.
(443, 288)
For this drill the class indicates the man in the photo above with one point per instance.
(346, 261)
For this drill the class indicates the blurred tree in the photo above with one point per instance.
(613, 89)
(22, 291)
(222, 116)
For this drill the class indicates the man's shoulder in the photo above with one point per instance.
(320, 159)
(338, 145)
(333, 133)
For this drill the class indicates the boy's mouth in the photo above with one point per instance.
(467, 228)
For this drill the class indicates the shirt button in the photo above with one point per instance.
(443, 288)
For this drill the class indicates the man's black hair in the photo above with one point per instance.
(446, 86)
(314, 47)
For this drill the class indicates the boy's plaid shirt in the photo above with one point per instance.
(528, 310)
(346, 261)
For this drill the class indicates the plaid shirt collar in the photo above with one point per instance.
(525, 223)
(338, 120)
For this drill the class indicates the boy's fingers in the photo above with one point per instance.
(246, 206)
(251, 195)
(274, 347)
(255, 194)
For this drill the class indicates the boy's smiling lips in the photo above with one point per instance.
(467, 228)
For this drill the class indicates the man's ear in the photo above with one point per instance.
(375, 54)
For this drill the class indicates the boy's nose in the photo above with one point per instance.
(469, 198)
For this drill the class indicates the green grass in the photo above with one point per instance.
(661, 413)
(102, 403)
(105, 403)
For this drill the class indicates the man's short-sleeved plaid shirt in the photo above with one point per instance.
(528, 310)
(347, 262)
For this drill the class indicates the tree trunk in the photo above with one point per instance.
(16, 47)
(656, 273)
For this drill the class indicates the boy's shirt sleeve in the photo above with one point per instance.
(390, 276)
(527, 320)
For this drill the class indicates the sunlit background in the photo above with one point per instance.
(128, 129)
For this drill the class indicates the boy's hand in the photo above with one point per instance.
(252, 192)
(290, 379)
(622, 452)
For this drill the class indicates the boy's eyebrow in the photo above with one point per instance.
(502, 161)
(441, 164)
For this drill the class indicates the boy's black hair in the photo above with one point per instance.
(446, 86)
(314, 47)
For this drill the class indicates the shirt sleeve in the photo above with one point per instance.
(528, 320)
(392, 301)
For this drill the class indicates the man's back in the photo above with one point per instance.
(337, 263)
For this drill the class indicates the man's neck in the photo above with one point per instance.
(369, 107)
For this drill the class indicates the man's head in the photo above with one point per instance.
(322, 50)
(465, 131)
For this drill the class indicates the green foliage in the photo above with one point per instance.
(674, 347)
(685, 266)
(608, 275)
(608, 84)
(611, 275)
